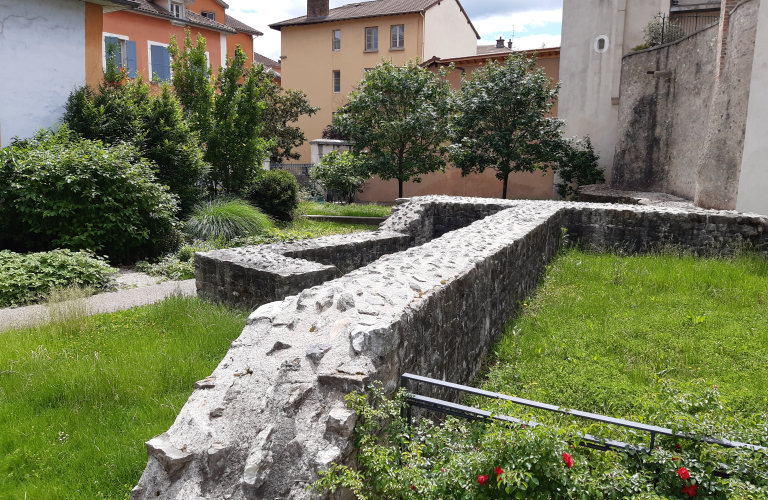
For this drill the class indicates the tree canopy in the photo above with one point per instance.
(502, 122)
(228, 112)
(401, 117)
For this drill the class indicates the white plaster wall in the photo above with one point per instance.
(42, 59)
(753, 181)
(447, 32)
(590, 80)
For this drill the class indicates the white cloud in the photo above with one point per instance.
(531, 41)
(521, 21)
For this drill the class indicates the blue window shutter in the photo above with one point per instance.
(132, 65)
(166, 64)
(157, 62)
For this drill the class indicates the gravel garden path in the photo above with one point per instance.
(135, 289)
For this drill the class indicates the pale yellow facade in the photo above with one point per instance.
(308, 59)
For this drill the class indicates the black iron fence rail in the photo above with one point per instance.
(294, 168)
(457, 410)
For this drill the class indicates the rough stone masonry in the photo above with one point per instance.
(272, 413)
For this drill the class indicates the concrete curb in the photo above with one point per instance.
(344, 219)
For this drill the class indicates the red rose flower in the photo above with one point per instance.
(442, 470)
(482, 479)
(683, 473)
(413, 487)
(678, 446)
(568, 460)
(499, 471)
(674, 458)
(691, 490)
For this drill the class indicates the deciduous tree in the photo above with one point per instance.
(401, 117)
(502, 122)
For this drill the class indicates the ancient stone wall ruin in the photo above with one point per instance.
(272, 414)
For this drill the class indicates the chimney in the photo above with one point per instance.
(509, 44)
(499, 42)
(317, 8)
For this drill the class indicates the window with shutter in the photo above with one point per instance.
(113, 49)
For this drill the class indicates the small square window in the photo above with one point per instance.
(397, 37)
(209, 15)
(372, 39)
(336, 42)
(336, 82)
(177, 10)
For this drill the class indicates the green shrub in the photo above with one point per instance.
(32, 277)
(123, 110)
(170, 267)
(276, 192)
(548, 460)
(83, 195)
(577, 166)
(226, 219)
(341, 173)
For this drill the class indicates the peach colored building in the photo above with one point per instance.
(326, 52)
(142, 34)
(536, 185)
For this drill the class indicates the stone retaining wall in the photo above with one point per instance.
(272, 413)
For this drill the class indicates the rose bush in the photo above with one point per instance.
(479, 460)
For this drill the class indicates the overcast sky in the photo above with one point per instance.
(535, 22)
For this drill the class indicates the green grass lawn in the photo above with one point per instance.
(77, 402)
(601, 328)
(302, 228)
(351, 210)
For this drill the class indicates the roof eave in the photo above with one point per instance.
(277, 26)
(185, 21)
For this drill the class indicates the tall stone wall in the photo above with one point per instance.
(719, 164)
(663, 122)
(272, 414)
(683, 112)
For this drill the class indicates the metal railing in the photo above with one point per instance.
(470, 413)
(294, 168)
(693, 23)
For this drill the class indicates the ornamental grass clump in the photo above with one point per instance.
(226, 219)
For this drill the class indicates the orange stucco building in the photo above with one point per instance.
(141, 34)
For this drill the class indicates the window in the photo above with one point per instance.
(601, 44)
(177, 10)
(160, 62)
(336, 42)
(336, 82)
(397, 37)
(122, 50)
(372, 39)
(209, 15)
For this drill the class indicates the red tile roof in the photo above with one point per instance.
(374, 8)
(266, 61)
(240, 26)
(147, 7)
(492, 49)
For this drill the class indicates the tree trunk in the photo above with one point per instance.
(400, 190)
(504, 191)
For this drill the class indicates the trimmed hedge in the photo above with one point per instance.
(30, 278)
